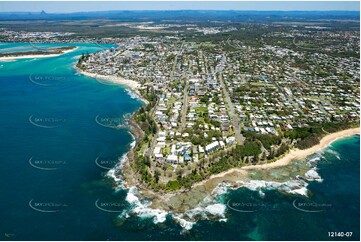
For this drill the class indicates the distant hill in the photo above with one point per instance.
(185, 15)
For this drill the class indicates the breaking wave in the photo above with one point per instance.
(142, 209)
(333, 152)
(314, 159)
(187, 225)
(209, 208)
(313, 175)
(133, 95)
(296, 186)
(212, 208)
(116, 172)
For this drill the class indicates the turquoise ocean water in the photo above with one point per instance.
(54, 156)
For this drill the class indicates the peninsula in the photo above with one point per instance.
(39, 53)
(219, 106)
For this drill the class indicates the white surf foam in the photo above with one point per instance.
(313, 175)
(142, 209)
(220, 189)
(187, 225)
(115, 172)
(217, 209)
(301, 191)
(209, 208)
(8, 60)
(261, 194)
(132, 145)
(133, 95)
(292, 186)
(334, 153)
(315, 158)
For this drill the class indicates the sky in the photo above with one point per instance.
(67, 7)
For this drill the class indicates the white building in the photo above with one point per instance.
(230, 140)
(172, 159)
(212, 146)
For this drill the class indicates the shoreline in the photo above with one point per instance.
(302, 154)
(133, 85)
(185, 200)
(7, 58)
(293, 154)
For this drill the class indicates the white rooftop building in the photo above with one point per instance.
(172, 159)
(212, 146)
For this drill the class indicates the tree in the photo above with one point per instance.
(173, 185)
(156, 176)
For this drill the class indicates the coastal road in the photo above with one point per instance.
(184, 106)
(205, 61)
(148, 152)
(175, 61)
(185, 97)
(233, 116)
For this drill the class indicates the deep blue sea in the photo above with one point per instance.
(54, 156)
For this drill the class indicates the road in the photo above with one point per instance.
(233, 116)
(148, 152)
(184, 106)
(185, 98)
(175, 61)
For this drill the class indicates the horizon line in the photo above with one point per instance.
(166, 10)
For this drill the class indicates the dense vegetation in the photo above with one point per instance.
(141, 161)
(222, 161)
(310, 136)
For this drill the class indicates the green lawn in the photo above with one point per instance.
(200, 110)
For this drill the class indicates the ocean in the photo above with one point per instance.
(62, 132)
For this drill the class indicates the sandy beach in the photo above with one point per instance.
(113, 79)
(8, 58)
(185, 200)
(290, 156)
